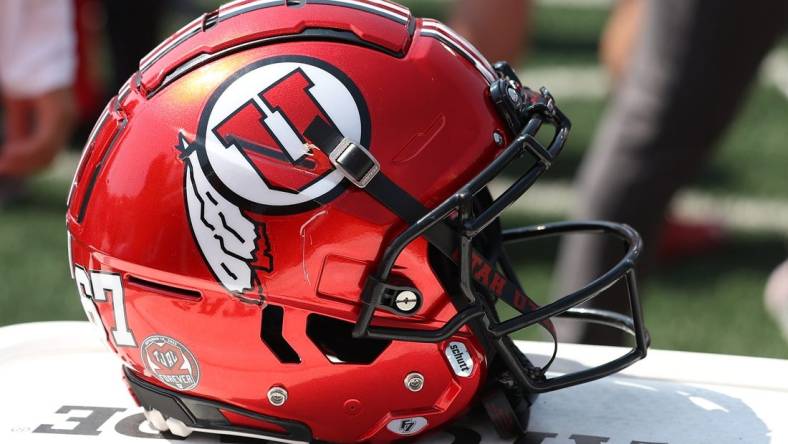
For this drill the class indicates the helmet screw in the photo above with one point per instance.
(406, 301)
(277, 396)
(497, 138)
(513, 96)
(414, 382)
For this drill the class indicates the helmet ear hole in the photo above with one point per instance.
(271, 334)
(335, 340)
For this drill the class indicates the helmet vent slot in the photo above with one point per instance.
(271, 334)
(164, 289)
(335, 339)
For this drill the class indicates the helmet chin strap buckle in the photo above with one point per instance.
(355, 162)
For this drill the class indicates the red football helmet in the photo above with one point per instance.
(281, 225)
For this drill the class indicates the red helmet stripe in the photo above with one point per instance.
(433, 28)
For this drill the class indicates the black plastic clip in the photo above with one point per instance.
(355, 162)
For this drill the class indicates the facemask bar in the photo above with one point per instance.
(528, 111)
(567, 305)
(462, 201)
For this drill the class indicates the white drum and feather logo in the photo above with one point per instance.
(250, 154)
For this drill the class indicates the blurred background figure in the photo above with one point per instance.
(679, 238)
(112, 38)
(690, 68)
(88, 85)
(141, 19)
(619, 36)
(498, 32)
(38, 50)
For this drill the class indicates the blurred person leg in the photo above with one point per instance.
(16, 125)
(690, 70)
(679, 238)
(133, 31)
(619, 36)
(89, 91)
(37, 46)
(498, 29)
(49, 119)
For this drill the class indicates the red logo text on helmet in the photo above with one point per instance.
(251, 138)
(170, 362)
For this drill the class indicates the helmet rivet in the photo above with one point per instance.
(414, 382)
(513, 95)
(497, 138)
(406, 301)
(352, 407)
(277, 396)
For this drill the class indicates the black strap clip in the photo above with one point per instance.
(355, 162)
(404, 300)
(538, 151)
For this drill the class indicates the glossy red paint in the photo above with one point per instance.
(431, 129)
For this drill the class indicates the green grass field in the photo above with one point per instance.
(711, 304)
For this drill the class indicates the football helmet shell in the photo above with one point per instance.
(258, 195)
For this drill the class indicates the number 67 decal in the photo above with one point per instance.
(95, 288)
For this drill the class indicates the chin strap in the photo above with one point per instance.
(505, 403)
(510, 419)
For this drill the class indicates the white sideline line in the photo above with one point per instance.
(593, 82)
(577, 82)
(736, 212)
(775, 70)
